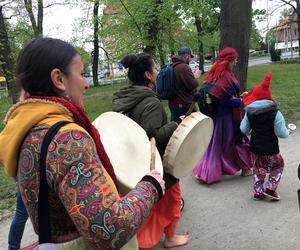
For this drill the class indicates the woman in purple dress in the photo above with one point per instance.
(228, 151)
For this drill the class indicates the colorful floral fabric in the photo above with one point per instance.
(263, 164)
(81, 199)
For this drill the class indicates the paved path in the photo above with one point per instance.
(224, 216)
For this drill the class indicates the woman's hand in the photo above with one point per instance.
(197, 73)
(157, 176)
(244, 93)
(182, 117)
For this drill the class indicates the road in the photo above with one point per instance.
(223, 216)
(262, 60)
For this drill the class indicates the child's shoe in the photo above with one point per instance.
(258, 196)
(271, 194)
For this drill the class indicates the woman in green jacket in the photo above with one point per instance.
(141, 103)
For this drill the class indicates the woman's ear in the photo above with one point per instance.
(57, 80)
(147, 75)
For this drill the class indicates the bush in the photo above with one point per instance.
(291, 61)
(275, 54)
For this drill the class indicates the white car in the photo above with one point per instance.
(194, 66)
(252, 52)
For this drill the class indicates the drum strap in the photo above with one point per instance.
(43, 206)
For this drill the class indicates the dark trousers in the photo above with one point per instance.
(177, 112)
(17, 225)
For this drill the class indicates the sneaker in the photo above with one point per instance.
(271, 194)
(258, 196)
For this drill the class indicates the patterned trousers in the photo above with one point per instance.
(263, 164)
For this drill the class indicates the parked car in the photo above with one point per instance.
(252, 52)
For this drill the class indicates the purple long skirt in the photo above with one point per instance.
(224, 156)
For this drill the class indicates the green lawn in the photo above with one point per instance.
(285, 88)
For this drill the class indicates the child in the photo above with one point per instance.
(265, 123)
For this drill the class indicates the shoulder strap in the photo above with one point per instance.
(176, 63)
(43, 206)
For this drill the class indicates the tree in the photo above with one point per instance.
(205, 17)
(96, 42)
(36, 23)
(36, 19)
(256, 39)
(85, 57)
(235, 32)
(6, 59)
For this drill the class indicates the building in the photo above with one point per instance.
(287, 36)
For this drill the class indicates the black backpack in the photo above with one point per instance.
(203, 98)
(165, 83)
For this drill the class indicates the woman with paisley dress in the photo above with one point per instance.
(85, 208)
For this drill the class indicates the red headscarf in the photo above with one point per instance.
(226, 56)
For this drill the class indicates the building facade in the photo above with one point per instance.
(287, 36)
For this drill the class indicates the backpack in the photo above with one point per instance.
(165, 83)
(203, 98)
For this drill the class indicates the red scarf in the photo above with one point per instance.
(82, 120)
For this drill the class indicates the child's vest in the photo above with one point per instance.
(263, 139)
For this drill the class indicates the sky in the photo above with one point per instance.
(273, 17)
(60, 21)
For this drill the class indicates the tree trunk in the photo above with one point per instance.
(40, 18)
(235, 32)
(171, 39)
(200, 43)
(298, 19)
(96, 43)
(7, 62)
(152, 27)
(28, 7)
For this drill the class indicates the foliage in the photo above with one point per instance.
(256, 40)
(19, 35)
(290, 61)
(85, 58)
(275, 54)
(285, 13)
(126, 29)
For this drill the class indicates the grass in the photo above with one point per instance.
(285, 88)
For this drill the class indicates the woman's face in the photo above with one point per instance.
(75, 83)
(152, 74)
(232, 64)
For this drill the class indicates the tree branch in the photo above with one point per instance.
(51, 4)
(28, 6)
(289, 3)
(11, 16)
(137, 26)
(5, 4)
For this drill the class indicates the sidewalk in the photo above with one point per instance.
(223, 216)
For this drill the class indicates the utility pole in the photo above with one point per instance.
(268, 39)
(291, 40)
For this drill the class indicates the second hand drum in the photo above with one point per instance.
(128, 148)
(188, 144)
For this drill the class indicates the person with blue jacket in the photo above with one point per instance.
(265, 123)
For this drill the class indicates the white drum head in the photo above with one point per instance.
(188, 144)
(128, 148)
